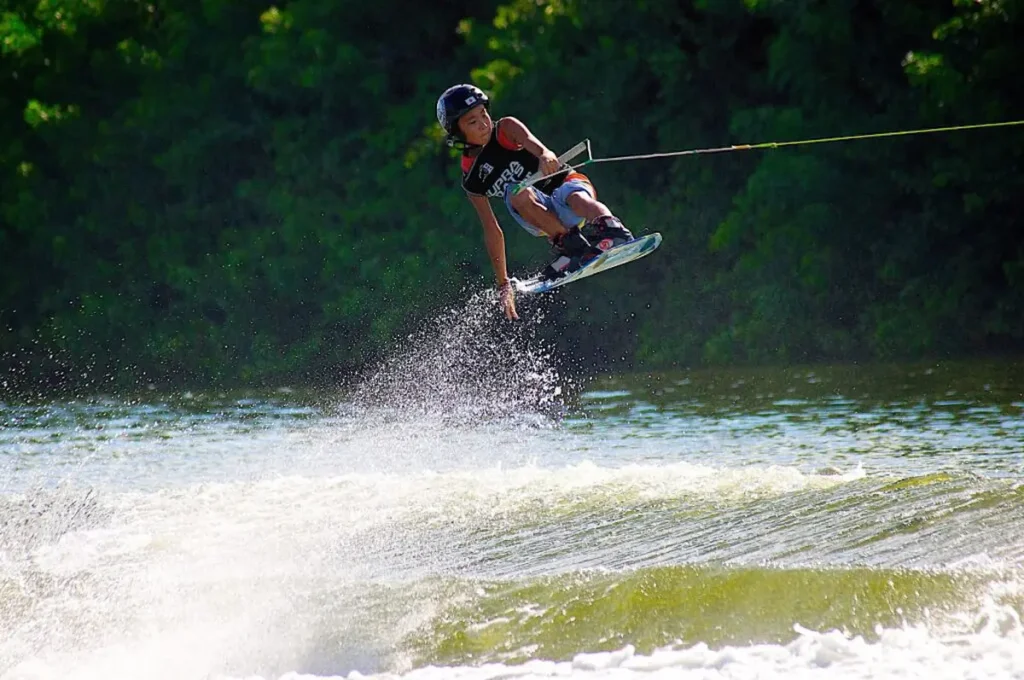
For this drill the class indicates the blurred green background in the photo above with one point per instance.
(231, 191)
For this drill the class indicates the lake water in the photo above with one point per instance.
(467, 512)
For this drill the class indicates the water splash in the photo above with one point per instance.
(466, 365)
(43, 516)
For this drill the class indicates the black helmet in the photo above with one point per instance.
(456, 102)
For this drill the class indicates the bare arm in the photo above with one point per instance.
(520, 135)
(494, 239)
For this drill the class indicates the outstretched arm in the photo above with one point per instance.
(519, 134)
(494, 240)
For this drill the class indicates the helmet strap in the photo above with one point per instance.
(457, 142)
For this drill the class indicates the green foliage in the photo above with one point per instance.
(235, 191)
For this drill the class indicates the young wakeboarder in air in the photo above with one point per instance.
(497, 155)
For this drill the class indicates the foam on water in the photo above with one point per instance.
(292, 572)
(913, 652)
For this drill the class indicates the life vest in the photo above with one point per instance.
(500, 163)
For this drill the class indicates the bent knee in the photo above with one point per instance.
(523, 199)
(580, 199)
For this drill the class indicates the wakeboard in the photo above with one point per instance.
(609, 259)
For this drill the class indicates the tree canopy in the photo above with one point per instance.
(231, 191)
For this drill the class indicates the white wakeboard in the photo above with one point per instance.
(609, 259)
